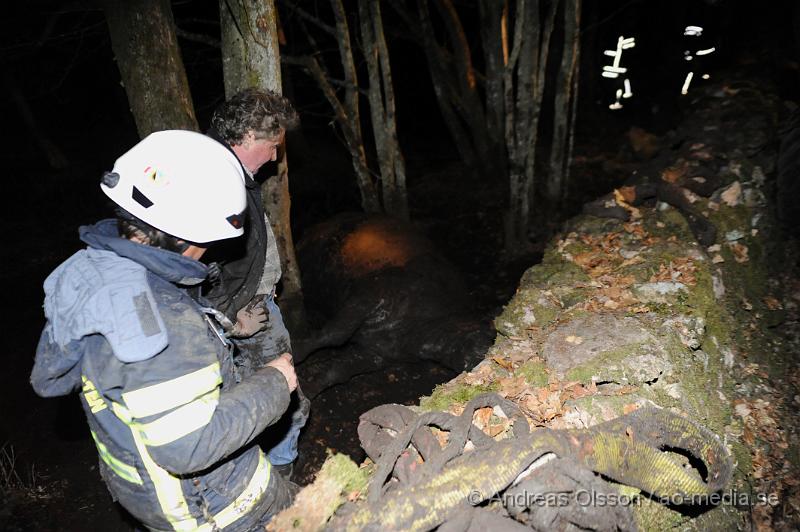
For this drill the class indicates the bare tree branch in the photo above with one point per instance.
(198, 37)
(295, 8)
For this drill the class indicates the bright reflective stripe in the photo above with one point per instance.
(96, 403)
(168, 489)
(119, 467)
(181, 421)
(246, 500)
(172, 393)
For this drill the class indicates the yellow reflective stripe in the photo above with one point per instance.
(168, 489)
(246, 500)
(181, 421)
(121, 412)
(96, 403)
(125, 471)
(172, 393)
(170, 495)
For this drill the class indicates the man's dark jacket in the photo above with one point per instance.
(243, 259)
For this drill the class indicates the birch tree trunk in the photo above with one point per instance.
(352, 114)
(564, 105)
(149, 60)
(382, 110)
(251, 58)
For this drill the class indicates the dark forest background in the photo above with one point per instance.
(56, 58)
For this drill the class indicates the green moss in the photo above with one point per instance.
(336, 480)
(534, 373)
(553, 271)
(607, 366)
(528, 308)
(597, 406)
(448, 394)
(346, 472)
(667, 223)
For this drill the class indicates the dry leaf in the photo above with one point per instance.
(732, 195)
(742, 410)
(690, 196)
(628, 194)
(739, 252)
(630, 407)
(672, 174)
(481, 417)
(503, 363)
(542, 394)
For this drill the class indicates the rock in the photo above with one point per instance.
(611, 349)
(658, 292)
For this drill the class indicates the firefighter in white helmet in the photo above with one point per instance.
(172, 420)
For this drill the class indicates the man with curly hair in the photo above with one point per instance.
(253, 125)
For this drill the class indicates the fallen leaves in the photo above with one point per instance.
(486, 420)
(681, 269)
(542, 405)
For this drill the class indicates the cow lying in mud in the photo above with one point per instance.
(386, 297)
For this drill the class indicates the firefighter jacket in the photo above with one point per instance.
(172, 425)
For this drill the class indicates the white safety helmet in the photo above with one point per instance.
(182, 183)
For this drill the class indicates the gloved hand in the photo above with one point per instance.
(250, 320)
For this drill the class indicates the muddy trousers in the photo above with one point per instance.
(254, 353)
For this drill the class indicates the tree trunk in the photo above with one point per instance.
(369, 196)
(564, 105)
(400, 203)
(149, 60)
(251, 58)
(382, 110)
(524, 80)
(494, 38)
(250, 55)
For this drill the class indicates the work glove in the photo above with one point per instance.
(251, 319)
